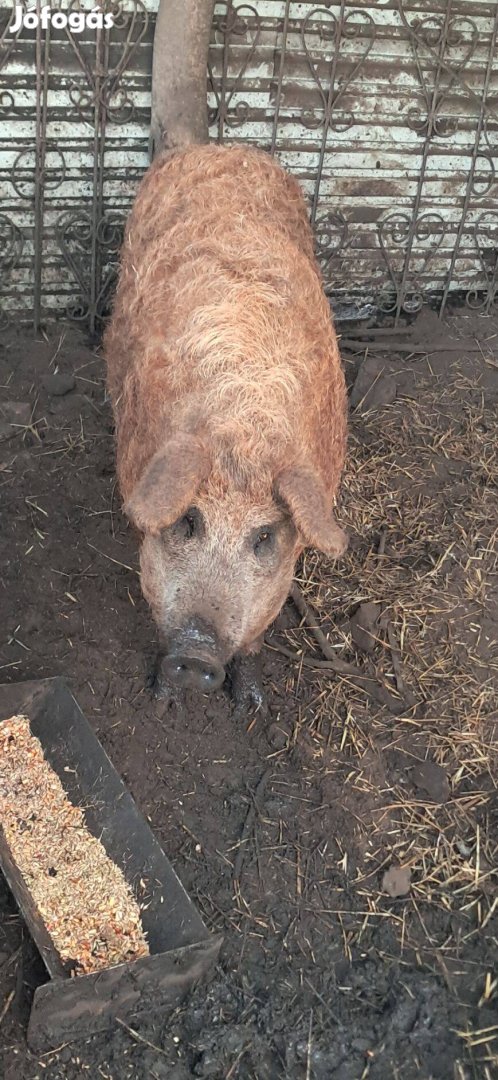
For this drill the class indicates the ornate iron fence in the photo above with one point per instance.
(387, 113)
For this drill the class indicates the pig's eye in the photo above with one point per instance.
(187, 526)
(264, 541)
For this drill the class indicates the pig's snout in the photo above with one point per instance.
(194, 672)
(191, 661)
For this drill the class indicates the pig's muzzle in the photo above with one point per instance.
(191, 659)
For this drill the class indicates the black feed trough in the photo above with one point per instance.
(182, 951)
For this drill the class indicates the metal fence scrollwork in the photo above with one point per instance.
(386, 112)
(81, 98)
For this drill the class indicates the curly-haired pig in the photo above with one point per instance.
(229, 399)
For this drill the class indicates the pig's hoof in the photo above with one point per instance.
(247, 689)
(169, 695)
(153, 672)
(160, 690)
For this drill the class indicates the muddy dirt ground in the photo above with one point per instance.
(376, 786)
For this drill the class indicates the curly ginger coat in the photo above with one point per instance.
(225, 376)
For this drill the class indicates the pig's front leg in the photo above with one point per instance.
(246, 685)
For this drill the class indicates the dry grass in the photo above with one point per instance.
(420, 502)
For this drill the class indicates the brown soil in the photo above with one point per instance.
(360, 940)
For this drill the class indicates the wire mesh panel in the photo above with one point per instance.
(386, 112)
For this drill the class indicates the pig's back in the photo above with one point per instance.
(219, 312)
(220, 197)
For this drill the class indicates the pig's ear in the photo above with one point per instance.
(303, 492)
(168, 483)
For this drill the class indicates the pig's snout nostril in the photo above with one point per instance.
(194, 673)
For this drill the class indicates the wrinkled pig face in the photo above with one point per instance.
(217, 558)
(215, 579)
